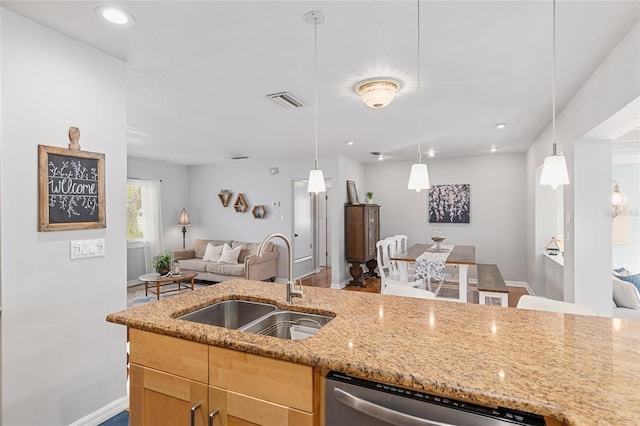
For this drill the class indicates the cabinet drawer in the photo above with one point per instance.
(268, 379)
(172, 355)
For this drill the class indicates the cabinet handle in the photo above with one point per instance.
(212, 415)
(383, 413)
(193, 414)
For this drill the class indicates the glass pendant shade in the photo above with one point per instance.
(618, 198)
(316, 181)
(554, 171)
(419, 177)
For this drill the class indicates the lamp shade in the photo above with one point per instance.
(554, 171)
(316, 181)
(184, 218)
(419, 177)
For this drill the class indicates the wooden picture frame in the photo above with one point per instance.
(352, 192)
(71, 189)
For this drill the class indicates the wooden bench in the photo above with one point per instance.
(491, 284)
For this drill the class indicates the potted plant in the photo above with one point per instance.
(162, 263)
(369, 198)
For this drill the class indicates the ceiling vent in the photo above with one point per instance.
(285, 99)
(241, 157)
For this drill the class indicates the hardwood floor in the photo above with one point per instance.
(372, 285)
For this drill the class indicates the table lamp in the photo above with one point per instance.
(184, 222)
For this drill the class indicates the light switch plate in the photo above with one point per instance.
(80, 249)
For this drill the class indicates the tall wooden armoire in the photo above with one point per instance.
(362, 232)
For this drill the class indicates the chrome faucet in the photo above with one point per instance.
(291, 289)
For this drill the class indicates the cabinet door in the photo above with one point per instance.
(372, 231)
(235, 409)
(159, 398)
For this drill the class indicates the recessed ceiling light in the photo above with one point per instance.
(349, 143)
(115, 16)
(501, 125)
(494, 149)
(431, 153)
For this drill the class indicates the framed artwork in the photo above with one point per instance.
(352, 192)
(70, 189)
(449, 203)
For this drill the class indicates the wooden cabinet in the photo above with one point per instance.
(362, 232)
(159, 398)
(168, 380)
(254, 390)
(174, 379)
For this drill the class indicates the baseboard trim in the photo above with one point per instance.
(339, 286)
(131, 283)
(104, 413)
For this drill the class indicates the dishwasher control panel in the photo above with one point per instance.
(369, 398)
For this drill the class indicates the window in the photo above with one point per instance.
(144, 217)
(135, 216)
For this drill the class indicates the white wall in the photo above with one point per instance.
(611, 87)
(61, 360)
(497, 206)
(175, 196)
(628, 255)
(210, 220)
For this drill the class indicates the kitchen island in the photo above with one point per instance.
(575, 369)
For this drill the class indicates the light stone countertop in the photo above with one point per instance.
(578, 369)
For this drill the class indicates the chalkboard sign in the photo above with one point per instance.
(71, 189)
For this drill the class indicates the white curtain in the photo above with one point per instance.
(152, 213)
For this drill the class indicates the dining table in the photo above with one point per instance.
(461, 256)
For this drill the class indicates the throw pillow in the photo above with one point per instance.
(212, 253)
(625, 294)
(621, 272)
(230, 255)
(633, 279)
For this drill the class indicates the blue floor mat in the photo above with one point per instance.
(121, 419)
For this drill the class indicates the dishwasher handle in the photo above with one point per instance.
(380, 412)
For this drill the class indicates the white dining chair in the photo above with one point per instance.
(389, 274)
(402, 244)
(403, 290)
(537, 303)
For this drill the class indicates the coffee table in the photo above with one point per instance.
(155, 278)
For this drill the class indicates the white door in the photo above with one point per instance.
(302, 223)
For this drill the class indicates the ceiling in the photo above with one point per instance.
(198, 72)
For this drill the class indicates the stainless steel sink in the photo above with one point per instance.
(230, 313)
(288, 324)
(259, 318)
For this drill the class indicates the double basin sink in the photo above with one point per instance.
(259, 318)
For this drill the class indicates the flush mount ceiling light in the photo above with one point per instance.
(378, 92)
(316, 177)
(554, 169)
(115, 16)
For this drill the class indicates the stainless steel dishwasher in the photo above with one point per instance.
(350, 401)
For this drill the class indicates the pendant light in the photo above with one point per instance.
(554, 169)
(316, 177)
(419, 177)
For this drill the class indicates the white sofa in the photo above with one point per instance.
(261, 268)
(626, 300)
